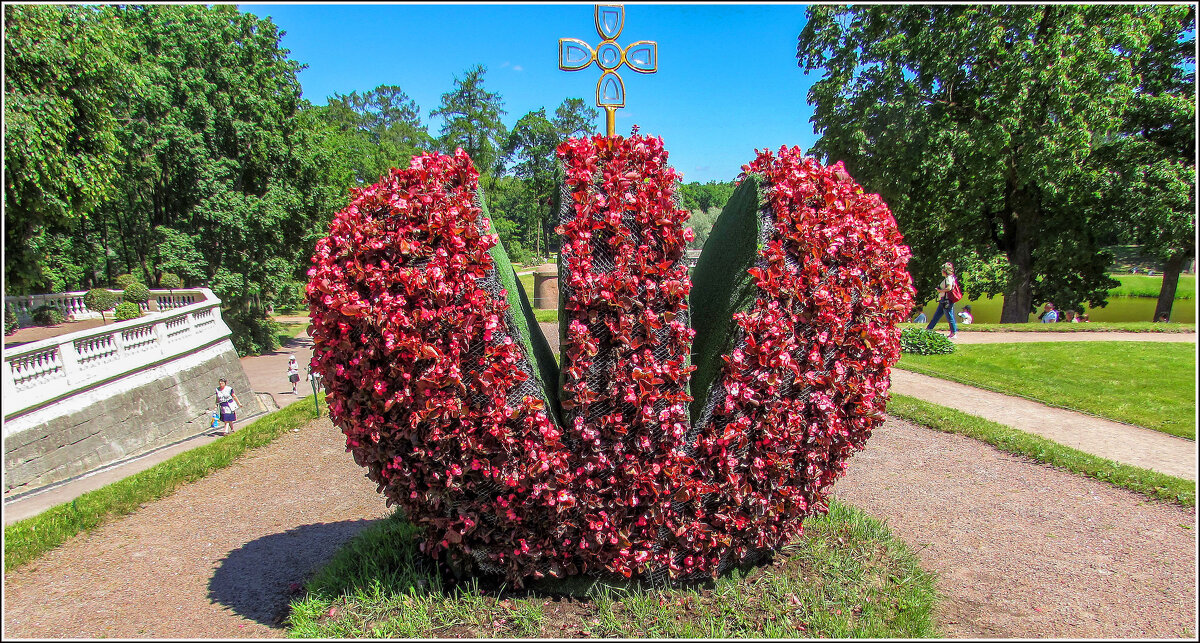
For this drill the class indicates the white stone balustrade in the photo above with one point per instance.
(71, 304)
(41, 371)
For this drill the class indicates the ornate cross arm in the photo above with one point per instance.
(641, 56)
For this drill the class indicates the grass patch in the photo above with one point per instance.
(1144, 481)
(288, 332)
(1089, 327)
(846, 577)
(1150, 285)
(27, 539)
(1148, 384)
(543, 315)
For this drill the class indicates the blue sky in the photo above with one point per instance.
(727, 79)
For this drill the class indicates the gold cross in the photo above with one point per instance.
(641, 56)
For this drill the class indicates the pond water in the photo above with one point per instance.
(1119, 309)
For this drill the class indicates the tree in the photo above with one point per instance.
(573, 118)
(1152, 179)
(472, 119)
(62, 73)
(388, 119)
(212, 185)
(531, 144)
(979, 125)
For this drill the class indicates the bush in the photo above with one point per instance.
(100, 300)
(127, 310)
(925, 342)
(251, 335)
(517, 253)
(123, 281)
(136, 293)
(10, 321)
(47, 316)
(170, 281)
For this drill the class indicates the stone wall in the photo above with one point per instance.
(121, 419)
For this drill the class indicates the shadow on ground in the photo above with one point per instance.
(256, 579)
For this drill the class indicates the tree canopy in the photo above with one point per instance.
(980, 125)
(472, 119)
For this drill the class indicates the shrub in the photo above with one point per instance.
(100, 300)
(517, 253)
(251, 335)
(136, 293)
(170, 281)
(47, 316)
(10, 321)
(127, 310)
(925, 342)
(122, 281)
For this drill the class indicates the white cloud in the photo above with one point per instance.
(518, 68)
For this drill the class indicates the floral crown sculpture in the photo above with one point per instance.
(694, 420)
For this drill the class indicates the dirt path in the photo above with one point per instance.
(214, 559)
(1024, 550)
(1113, 440)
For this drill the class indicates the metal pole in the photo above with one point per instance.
(312, 377)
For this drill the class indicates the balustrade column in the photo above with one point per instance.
(70, 361)
(160, 336)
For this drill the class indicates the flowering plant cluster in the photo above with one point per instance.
(809, 379)
(425, 368)
(419, 362)
(625, 351)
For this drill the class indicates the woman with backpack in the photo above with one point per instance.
(949, 292)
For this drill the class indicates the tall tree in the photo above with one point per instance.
(1151, 185)
(211, 182)
(531, 144)
(574, 118)
(62, 74)
(390, 121)
(979, 125)
(472, 119)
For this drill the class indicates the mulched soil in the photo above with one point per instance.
(1023, 550)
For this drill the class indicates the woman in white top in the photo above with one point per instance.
(293, 372)
(227, 405)
(945, 306)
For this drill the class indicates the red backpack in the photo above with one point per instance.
(955, 292)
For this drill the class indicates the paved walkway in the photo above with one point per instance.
(1113, 440)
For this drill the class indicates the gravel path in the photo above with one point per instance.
(213, 560)
(1022, 549)
(1113, 440)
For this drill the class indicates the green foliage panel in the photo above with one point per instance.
(721, 286)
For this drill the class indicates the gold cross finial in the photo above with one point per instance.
(641, 56)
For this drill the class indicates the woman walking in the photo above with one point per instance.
(293, 373)
(227, 405)
(945, 305)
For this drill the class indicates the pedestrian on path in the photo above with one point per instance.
(945, 304)
(1049, 314)
(227, 405)
(293, 372)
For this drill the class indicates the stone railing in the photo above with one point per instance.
(49, 369)
(71, 305)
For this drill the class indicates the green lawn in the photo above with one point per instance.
(847, 577)
(1149, 384)
(1149, 286)
(1090, 327)
(286, 332)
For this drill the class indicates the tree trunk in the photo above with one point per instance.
(1166, 296)
(1022, 218)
